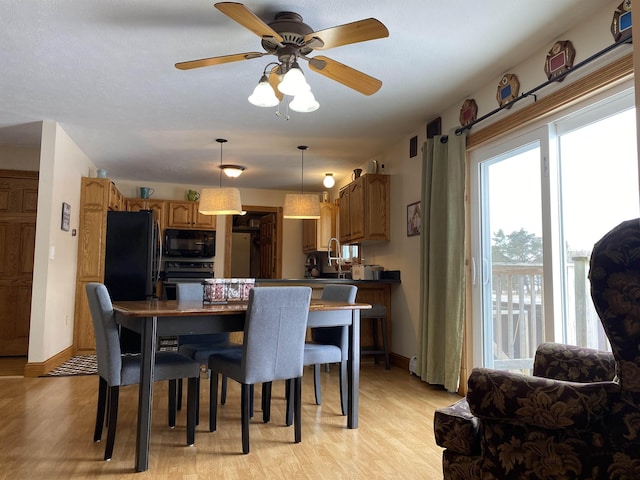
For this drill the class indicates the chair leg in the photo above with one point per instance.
(289, 393)
(197, 410)
(213, 401)
(251, 393)
(179, 402)
(223, 393)
(385, 347)
(316, 383)
(266, 402)
(102, 402)
(112, 420)
(343, 386)
(172, 403)
(297, 401)
(244, 405)
(192, 405)
(374, 330)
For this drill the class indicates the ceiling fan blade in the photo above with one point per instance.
(350, 77)
(248, 19)
(274, 81)
(208, 62)
(360, 31)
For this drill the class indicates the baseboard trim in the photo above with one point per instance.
(36, 369)
(399, 361)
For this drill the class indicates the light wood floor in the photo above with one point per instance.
(47, 432)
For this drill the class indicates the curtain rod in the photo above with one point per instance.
(542, 85)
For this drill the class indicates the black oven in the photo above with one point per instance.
(189, 243)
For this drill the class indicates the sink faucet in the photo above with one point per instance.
(338, 259)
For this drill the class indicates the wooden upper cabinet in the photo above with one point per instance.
(159, 208)
(186, 215)
(316, 233)
(116, 199)
(364, 209)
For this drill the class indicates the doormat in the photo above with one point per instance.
(79, 365)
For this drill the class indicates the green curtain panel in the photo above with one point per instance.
(442, 261)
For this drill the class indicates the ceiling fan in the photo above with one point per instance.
(289, 38)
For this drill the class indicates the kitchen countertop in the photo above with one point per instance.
(326, 280)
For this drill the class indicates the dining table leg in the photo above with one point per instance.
(145, 395)
(353, 370)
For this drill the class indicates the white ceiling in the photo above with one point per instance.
(104, 69)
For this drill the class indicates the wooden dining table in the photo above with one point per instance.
(167, 318)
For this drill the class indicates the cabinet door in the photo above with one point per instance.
(376, 207)
(136, 204)
(309, 235)
(159, 208)
(204, 222)
(326, 225)
(343, 215)
(180, 214)
(116, 199)
(356, 209)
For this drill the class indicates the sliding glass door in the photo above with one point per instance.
(540, 201)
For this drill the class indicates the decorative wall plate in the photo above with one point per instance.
(621, 23)
(468, 112)
(508, 89)
(559, 59)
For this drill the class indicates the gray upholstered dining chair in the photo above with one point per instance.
(273, 349)
(116, 369)
(200, 347)
(331, 344)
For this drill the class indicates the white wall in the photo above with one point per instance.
(62, 164)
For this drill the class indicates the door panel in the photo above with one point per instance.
(18, 203)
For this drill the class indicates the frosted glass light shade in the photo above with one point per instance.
(220, 201)
(232, 171)
(301, 205)
(304, 102)
(263, 95)
(328, 180)
(293, 82)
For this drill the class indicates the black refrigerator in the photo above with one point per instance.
(132, 261)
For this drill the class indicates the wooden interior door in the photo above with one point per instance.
(18, 205)
(268, 246)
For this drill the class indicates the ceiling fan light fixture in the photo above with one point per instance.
(304, 102)
(293, 82)
(263, 95)
(328, 181)
(232, 171)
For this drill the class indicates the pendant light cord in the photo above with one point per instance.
(302, 148)
(220, 141)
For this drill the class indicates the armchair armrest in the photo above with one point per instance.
(527, 400)
(573, 364)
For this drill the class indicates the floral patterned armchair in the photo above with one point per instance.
(578, 415)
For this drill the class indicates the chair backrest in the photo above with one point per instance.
(338, 336)
(274, 333)
(615, 291)
(108, 352)
(188, 291)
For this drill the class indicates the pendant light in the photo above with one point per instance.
(301, 205)
(220, 201)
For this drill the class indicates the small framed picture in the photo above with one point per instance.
(414, 226)
(66, 216)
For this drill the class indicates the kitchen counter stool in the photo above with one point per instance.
(378, 315)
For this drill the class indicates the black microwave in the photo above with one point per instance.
(189, 243)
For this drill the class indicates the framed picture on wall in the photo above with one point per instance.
(414, 226)
(66, 216)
